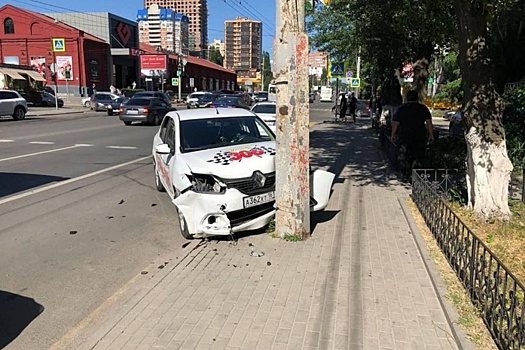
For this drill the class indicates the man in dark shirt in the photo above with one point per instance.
(413, 123)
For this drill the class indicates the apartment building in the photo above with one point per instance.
(217, 44)
(197, 12)
(243, 49)
(164, 28)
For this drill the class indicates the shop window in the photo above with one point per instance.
(9, 26)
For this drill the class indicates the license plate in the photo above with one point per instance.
(132, 112)
(258, 199)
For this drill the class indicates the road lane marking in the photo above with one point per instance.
(75, 179)
(44, 152)
(42, 143)
(6, 141)
(121, 147)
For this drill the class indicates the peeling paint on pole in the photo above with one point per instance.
(293, 143)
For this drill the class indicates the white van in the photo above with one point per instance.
(272, 92)
(326, 94)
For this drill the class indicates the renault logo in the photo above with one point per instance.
(259, 179)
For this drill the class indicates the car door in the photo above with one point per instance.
(4, 103)
(166, 136)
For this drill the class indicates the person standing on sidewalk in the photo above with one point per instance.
(352, 104)
(343, 108)
(413, 123)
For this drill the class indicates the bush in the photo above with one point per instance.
(447, 153)
(514, 123)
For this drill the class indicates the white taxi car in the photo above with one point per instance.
(217, 164)
(267, 112)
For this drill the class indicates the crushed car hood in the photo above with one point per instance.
(233, 162)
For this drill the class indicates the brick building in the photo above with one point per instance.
(26, 39)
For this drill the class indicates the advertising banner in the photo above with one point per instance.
(64, 68)
(39, 65)
(153, 65)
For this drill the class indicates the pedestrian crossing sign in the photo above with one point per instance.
(59, 44)
(355, 82)
(337, 69)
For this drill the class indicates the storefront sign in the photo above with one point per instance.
(153, 65)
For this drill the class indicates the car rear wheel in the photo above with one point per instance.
(19, 113)
(110, 112)
(127, 123)
(158, 184)
(87, 104)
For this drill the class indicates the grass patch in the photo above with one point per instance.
(505, 238)
(469, 317)
(271, 227)
(292, 237)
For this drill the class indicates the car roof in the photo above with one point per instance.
(264, 103)
(205, 113)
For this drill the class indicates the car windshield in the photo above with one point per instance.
(119, 100)
(201, 134)
(266, 108)
(138, 102)
(228, 100)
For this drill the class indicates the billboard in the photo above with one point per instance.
(64, 68)
(39, 65)
(153, 65)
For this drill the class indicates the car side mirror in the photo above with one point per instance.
(163, 149)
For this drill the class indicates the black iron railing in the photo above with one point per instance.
(493, 289)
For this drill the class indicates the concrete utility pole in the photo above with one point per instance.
(293, 144)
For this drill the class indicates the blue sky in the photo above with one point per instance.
(218, 10)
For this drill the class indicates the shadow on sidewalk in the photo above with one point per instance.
(16, 313)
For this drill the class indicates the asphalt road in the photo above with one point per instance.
(79, 220)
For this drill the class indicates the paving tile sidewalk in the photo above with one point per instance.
(358, 283)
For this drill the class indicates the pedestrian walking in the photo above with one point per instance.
(133, 85)
(352, 104)
(112, 89)
(343, 106)
(413, 123)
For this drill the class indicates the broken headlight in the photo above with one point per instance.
(206, 184)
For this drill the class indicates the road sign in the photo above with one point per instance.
(355, 82)
(349, 74)
(59, 44)
(175, 81)
(337, 69)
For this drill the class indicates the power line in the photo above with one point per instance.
(266, 18)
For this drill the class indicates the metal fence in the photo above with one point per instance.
(493, 289)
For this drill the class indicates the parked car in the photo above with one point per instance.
(266, 111)
(231, 101)
(12, 104)
(115, 105)
(50, 100)
(157, 94)
(144, 109)
(218, 167)
(261, 96)
(200, 99)
(449, 114)
(456, 126)
(100, 101)
(86, 101)
(50, 90)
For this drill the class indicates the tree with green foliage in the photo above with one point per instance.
(215, 55)
(490, 37)
(266, 70)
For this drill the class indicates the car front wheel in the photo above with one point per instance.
(183, 226)
(158, 184)
(110, 112)
(19, 113)
(87, 104)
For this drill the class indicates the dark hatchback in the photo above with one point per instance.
(114, 106)
(162, 95)
(231, 102)
(143, 109)
(100, 101)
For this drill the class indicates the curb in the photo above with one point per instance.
(53, 114)
(451, 314)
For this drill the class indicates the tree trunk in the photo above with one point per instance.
(489, 167)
